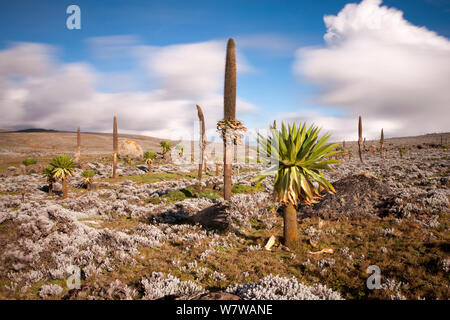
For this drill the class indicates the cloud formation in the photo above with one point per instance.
(378, 65)
(37, 90)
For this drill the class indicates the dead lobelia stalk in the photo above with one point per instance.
(382, 144)
(115, 147)
(78, 155)
(202, 144)
(229, 99)
(257, 148)
(360, 140)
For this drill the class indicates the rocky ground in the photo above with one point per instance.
(146, 236)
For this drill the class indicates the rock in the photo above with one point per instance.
(12, 168)
(212, 217)
(84, 166)
(130, 149)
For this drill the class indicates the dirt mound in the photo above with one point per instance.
(356, 195)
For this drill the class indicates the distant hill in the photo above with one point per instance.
(38, 130)
(38, 142)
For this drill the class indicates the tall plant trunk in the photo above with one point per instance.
(227, 169)
(382, 143)
(229, 99)
(202, 144)
(257, 147)
(115, 146)
(78, 156)
(290, 225)
(149, 165)
(217, 169)
(192, 151)
(50, 189)
(64, 187)
(199, 177)
(114, 166)
(360, 141)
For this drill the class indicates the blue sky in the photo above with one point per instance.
(272, 85)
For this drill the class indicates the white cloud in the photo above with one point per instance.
(341, 128)
(112, 47)
(188, 70)
(25, 59)
(378, 65)
(36, 90)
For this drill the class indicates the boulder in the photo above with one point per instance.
(130, 149)
(83, 166)
(212, 217)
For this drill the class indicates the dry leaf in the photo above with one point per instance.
(328, 250)
(312, 243)
(270, 243)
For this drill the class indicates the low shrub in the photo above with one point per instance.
(29, 161)
(241, 188)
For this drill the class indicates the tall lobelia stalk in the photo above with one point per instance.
(229, 100)
(192, 149)
(202, 144)
(115, 147)
(382, 143)
(257, 148)
(360, 139)
(213, 157)
(78, 156)
(205, 158)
